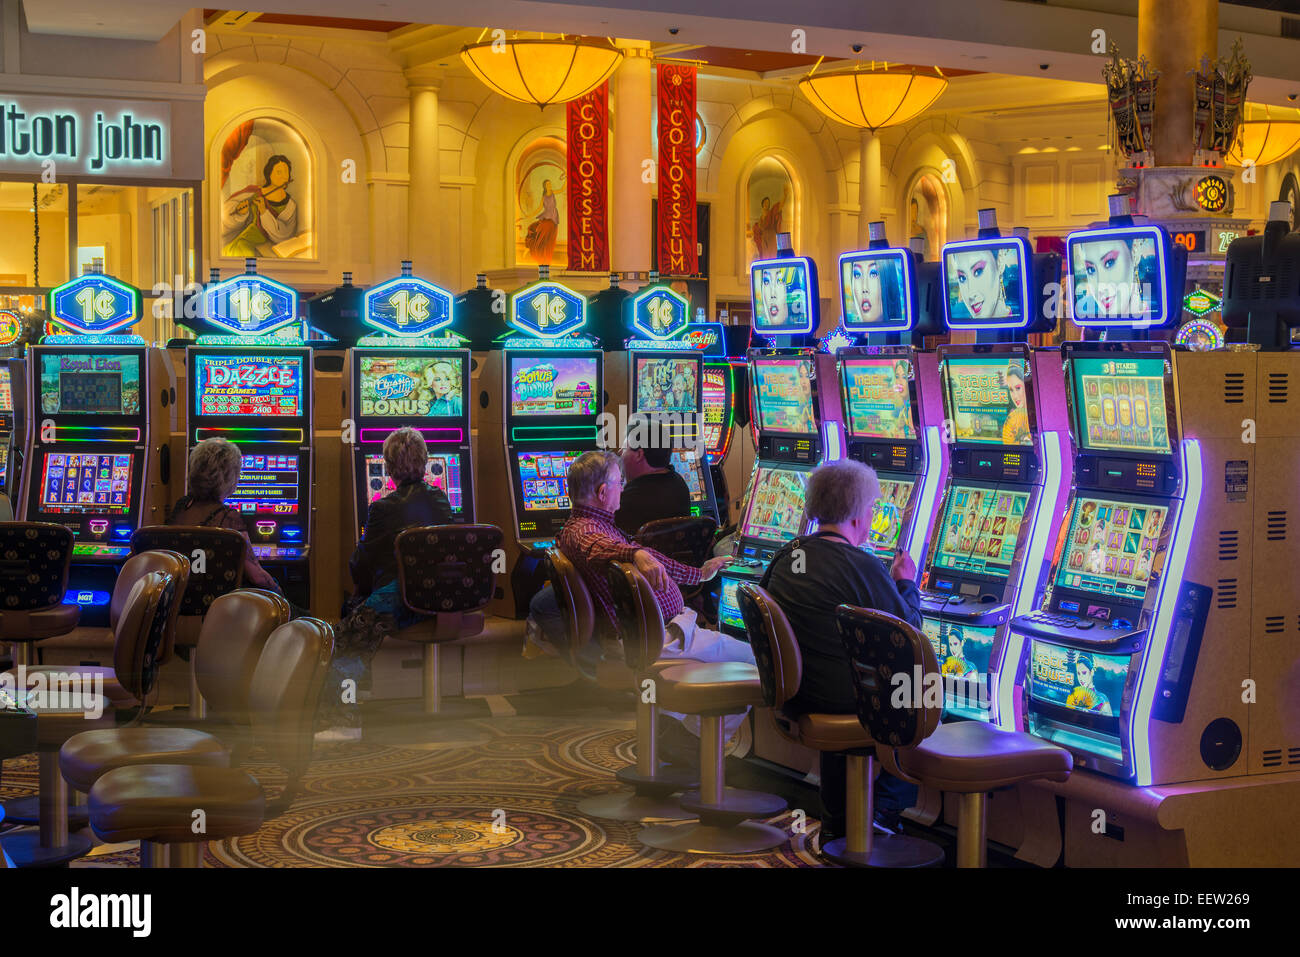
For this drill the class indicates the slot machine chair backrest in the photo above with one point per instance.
(688, 539)
(712, 691)
(223, 551)
(235, 631)
(6, 508)
(780, 671)
(154, 803)
(966, 758)
(445, 572)
(577, 610)
(139, 565)
(34, 561)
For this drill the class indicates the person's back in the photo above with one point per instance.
(652, 496)
(410, 505)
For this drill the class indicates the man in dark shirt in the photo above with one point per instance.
(812, 575)
(654, 489)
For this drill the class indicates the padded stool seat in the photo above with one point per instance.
(833, 732)
(86, 757)
(111, 688)
(724, 687)
(156, 802)
(35, 624)
(970, 756)
(439, 628)
(54, 725)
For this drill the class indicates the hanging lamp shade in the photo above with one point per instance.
(873, 99)
(1264, 142)
(541, 71)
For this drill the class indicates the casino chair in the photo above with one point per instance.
(966, 758)
(235, 631)
(712, 691)
(444, 572)
(223, 550)
(652, 782)
(155, 803)
(687, 539)
(6, 508)
(137, 640)
(34, 561)
(780, 670)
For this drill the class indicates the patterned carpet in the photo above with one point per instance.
(470, 789)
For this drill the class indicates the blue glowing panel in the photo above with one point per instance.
(548, 310)
(95, 304)
(407, 307)
(251, 305)
(659, 312)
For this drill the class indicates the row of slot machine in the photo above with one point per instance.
(1102, 529)
(504, 413)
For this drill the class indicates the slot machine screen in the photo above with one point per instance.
(544, 479)
(1119, 403)
(979, 529)
(268, 485)
(89, 384)
(987, 399)
(729, 605)
(397, 387)
(963, 653)
(986, 283)
(6, 390)
(776, 501)
(1118, 275)
(887, 515)
(784, 298)
(877, 395)
(716, 408)
(248, 385)
(875, 290)
(667, 385)
(80, 482)
(441, 471)
(1113, 547)
(554, 385)
(1084, 681)
(690, 467)
(785, 397)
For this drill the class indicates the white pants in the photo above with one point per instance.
(687, 640)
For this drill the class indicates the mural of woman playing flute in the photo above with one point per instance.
(254, 218)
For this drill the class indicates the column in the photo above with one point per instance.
(425, 174)
(868, 185)
(1174, 35)
(629, 206)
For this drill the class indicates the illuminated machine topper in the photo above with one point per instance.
(707, 337)
(877, 290)
(987, 283)
(95, 304)
(659, 312)
(1199, 335)
(1119, 276)
(784, 295)
(251, 305)
(407, 306)
(548, 310)
(11, 327)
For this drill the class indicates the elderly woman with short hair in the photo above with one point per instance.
(213, 472)
(377, 610)
(809, 578)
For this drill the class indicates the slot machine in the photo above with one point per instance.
(1138, 658)
(544, 390)
(795, 418)
(660, 375)
(12, 425)
(1005, 416)
(411, 373)
(253, 387)
(101, 403)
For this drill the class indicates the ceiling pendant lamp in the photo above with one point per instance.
(542, 71)
(872, 99)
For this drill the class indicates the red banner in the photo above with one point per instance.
(677, 170)
(588, 137)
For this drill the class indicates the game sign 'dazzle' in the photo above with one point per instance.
(588, 147)
(677, 252)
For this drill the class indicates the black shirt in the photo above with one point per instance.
(832, 572)
(410, 505)
(652, 496)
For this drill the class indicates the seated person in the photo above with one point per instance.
(591, 540)
(211, 476)
(378, 611)
(834, 570)
(654, 490)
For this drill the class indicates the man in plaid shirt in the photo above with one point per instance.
(591, 540)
